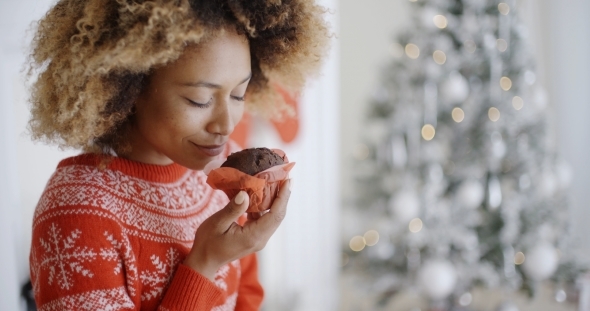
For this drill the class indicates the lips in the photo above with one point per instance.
(211, 150)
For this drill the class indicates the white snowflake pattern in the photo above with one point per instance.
(220, 276)
(223, 272)
(127, 262)
(182, 196)
(166, 197)
(229, 304)
(65, 259)
(35, 269)
(149, 193)
(156, 281)
(123, 184)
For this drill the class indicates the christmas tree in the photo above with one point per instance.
(459, 183)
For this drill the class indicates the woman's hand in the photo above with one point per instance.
(220, 240)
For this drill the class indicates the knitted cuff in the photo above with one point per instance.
(190, 291)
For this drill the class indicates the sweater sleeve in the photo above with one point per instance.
(250, 292)
(81, 260)
(190, 291)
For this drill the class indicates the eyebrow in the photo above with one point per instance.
(212, 85)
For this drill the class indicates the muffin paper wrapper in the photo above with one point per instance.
(262, 188)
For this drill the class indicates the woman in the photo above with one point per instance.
(151, 91)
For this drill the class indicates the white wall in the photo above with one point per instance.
(300, 264)
(367, 29)
(24, 166)
(564, 31)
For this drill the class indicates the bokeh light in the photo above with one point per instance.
(504, 8)
(428, 132)
(458, 114)
(412, 50)
(502, 45)
(361, 152)
(371, 237)
(439, 57)
(440, 21)
(415, 225)
(519, 258)
(357, 243)
(505, 83)
(494, 114)
(517, 102)
(470, 46)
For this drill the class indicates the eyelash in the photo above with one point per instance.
(199, 105)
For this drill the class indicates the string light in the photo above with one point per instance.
(440, 21)
(502, 45)
(519, 258)
(494, 114)
(357, 243)
(503, 8)
(439, 57)
(345, 260)
(371, 237)
(458, 114)
(505, 83)
(415, 225)
(517, 102)
(361, 152)
(412, 50)
(470, 46)
(428, 132)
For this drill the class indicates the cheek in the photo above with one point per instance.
(237, 113)
(162, 119)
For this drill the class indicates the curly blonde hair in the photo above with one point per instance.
(93, 57)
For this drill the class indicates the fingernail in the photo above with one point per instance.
(240, 197)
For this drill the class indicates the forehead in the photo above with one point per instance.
(218, 58)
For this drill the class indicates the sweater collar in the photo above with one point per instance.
(149, 172)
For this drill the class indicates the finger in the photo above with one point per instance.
(267, 224)
(254, 215)
(232, 211)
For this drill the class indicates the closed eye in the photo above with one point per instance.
(238, 98)
(199, 105)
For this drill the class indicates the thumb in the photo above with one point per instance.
(233, 210)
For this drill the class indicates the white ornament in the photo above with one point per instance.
(507, 306)
(540, 98)
(548, 184)
(470, 194)
(541, 262)
(437, 278)
(564, 174)
(405, 205)
(455, 89)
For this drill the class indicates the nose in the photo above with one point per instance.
(222, 120)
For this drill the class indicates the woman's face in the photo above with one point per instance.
(191, 106)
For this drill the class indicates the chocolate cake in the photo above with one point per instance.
(253, 161)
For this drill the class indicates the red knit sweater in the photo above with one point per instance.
(115, 239)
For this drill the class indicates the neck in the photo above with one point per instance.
(140, 150)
